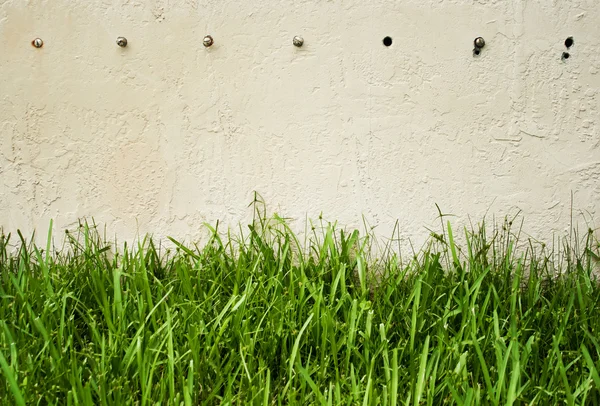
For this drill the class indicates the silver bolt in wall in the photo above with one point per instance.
(208, 41)
(479, 43)
(122, 42)
(298, 41)
(38, 43)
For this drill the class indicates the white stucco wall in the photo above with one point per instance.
(164, 134)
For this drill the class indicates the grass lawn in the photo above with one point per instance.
(257, 317)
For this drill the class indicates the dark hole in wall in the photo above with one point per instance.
(569, 42)
(566, 55)
(387, 41)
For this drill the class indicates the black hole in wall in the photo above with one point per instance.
(476, 51)
(387, 41)
(566, 55)
(569, 42)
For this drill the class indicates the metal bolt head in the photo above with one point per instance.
(122, 42)
(38, 43)
(208, 41)
(298, 41)
(479, 42)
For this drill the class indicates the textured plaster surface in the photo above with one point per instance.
(165, 134)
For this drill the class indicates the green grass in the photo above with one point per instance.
(260, 318)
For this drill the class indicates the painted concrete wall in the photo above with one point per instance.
(165, 134)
